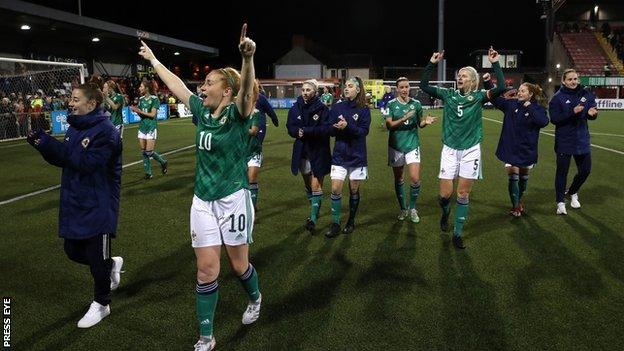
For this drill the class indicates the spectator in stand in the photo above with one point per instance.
(36, 104)
(6, 118)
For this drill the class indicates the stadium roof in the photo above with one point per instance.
(61, 33)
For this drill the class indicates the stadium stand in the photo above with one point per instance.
(585, 52)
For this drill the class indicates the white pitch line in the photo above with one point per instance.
(58, 186)
(552, 135)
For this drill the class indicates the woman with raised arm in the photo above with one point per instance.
(147, 110)
(462, 132)
(222, 212)
(525, 115)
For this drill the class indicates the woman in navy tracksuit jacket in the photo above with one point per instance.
(517, 147)
(569, 110)
(90, 157)
(307, 122)
(350, 121)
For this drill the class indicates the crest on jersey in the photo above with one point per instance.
(355, 117)
(412, 107)
(470, 98)
(567, 101)
(315, 117)
(299, 117)
(223, 120)
(85, 142)
(516, 110)
(526, 114)
(583, 99)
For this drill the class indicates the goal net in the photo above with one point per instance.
(35, 94)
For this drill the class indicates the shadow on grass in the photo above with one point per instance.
(607, 242)
(550, 258)
(311, 291)
(471, 320)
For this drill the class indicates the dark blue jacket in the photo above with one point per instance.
(350, 145)
(571, 131)
(263, 105)
(520, 133)
(91, 160)
(313, 118)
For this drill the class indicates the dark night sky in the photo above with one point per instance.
(392, 33)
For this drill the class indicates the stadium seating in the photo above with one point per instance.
(585, 51)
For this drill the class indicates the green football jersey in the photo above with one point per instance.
(146, 105)
(462, 127)
(116, 115)
(405, 137)
(255, 147)
(327, 98)
(222, 148)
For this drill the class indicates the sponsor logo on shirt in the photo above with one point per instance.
(299, 117)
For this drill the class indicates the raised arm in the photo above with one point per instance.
(493, 56)
(173, 82)
(245, 99)
(424, 81)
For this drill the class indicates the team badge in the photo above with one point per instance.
(412, 107)
(583, 99)
(470, 98)
(355, 117)
(315, 117)
(223, 120)
(567, 101)
(526, 114)
(299, 117)
(85, 142)
(516, 110)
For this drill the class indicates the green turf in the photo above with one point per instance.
(534, 283)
